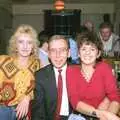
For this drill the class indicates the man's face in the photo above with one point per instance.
(58, 52)
(105, 33)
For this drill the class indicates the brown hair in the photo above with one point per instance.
(106, 25)
(58, 37)
(90, 38)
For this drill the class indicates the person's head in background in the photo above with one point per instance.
(24, 42)
(83, 29)
(43, 38)
(58, 50)
(89, 47)
(89, 25)
(105, 31)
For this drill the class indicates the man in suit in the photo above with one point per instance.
(45, 103)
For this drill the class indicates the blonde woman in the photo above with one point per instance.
(17, 73)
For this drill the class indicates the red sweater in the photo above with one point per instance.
(102, 84)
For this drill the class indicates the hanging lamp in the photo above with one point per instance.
(59, 5)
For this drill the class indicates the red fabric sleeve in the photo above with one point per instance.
(110, 84)
(72, 87)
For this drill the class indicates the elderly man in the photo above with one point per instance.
(111, 42)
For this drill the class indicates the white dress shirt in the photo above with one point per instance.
(64, 111)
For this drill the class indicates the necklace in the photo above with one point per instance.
(87, 74)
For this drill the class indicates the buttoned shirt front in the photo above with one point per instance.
(64, 111)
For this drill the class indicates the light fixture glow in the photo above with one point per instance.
(59, 5)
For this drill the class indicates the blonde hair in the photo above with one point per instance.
(23, 29)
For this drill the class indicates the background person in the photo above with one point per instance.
(93, 91)
(17, 73)
(43, 48)
(111, 42)
(89, 25)
(74, 58)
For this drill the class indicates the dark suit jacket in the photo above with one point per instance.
(44, 104)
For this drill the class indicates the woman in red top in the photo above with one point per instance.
(93, 91)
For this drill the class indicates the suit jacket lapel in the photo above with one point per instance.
(53, 82)
(52, 87)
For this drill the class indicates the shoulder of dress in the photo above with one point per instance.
(104, 66)
(4, 58)
(7, 66)
(36, 64)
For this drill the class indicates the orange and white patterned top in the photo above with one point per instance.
(16, 82)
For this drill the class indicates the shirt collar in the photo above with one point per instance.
(63, 68)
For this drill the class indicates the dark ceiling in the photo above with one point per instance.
(66, 1)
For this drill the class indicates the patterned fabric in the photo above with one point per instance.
(16, 82)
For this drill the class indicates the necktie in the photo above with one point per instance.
(59, 95)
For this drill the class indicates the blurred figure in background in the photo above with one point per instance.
(43, 48)
(17, 74)
(111, 42)
(89, 25)
(73, 51)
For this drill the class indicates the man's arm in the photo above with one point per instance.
(38, 109)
